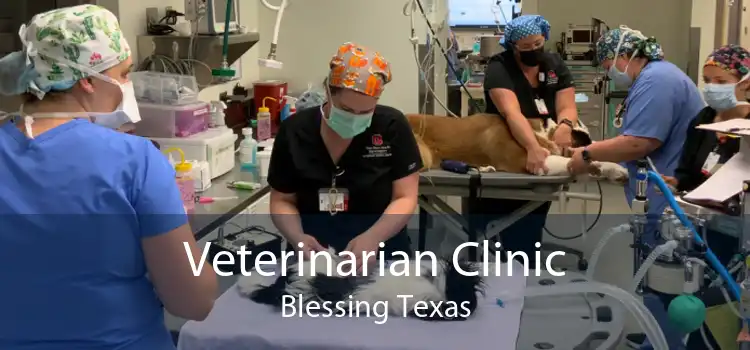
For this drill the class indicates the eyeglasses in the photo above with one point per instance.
(531, 47)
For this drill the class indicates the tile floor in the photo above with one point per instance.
(615, 264)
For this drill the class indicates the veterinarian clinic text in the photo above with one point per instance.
(295, 307)
(266, 263)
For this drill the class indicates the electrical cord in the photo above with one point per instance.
(256, 229)
(444, 51)
(164, 26)
(587, 230)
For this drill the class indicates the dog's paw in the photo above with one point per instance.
(614, 173)
(557, 166)
(487, 169)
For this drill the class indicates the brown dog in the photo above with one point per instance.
(485, 140)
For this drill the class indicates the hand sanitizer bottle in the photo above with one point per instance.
(248, 151)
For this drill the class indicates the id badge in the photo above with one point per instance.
(333, 200)
(712, 161)
(541, 107)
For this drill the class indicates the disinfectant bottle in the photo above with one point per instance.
(264, 120)
(248, 150)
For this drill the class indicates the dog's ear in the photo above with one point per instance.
(580, 138)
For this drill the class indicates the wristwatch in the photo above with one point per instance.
(567, 122)
(586, 155)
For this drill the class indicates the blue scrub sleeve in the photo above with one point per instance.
(649, 109)
(158, 202)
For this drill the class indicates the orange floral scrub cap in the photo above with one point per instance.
(358, 68)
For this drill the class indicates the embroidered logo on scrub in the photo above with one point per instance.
(552, 78)
(378, 148)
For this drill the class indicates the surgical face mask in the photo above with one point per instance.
(531, 58)
(722, 97)
(348, 124)
(622, 80)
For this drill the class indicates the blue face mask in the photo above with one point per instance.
(348, 124)
(721, 97)
(621, 80)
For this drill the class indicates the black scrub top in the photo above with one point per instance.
(698, 145)
(301, 164)
(503, 72)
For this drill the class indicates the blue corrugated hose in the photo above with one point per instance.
(711, 257)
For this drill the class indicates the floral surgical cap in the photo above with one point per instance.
(632, 42)
(360, 69)
(86, 35)
(732, 58)
(523, 26)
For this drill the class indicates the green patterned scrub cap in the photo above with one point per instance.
(87, 36)
(623, 40)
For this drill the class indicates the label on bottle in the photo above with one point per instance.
(264, 129)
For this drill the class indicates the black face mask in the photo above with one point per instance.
(531, 58)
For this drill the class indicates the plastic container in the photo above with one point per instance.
(264, 161)
(264, 121)
(184, 178)
(248, 151)
(172, 121)
(271, 88)
(638, 310)
(164, 88)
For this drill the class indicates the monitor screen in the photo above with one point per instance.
(481, 13)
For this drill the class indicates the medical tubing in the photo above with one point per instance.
(642, 315)
(655, 254)
(227, 19)
(710, 256)
(277, 25)
(600, 247)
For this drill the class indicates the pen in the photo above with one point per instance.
(206, 200)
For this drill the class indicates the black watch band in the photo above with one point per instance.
(586, 155)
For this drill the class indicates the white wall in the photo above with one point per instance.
(704, 16)
(132, 14)
(312, 30)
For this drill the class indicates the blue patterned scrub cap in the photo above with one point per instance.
(523, 26)
(626, 41)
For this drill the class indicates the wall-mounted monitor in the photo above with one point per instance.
(481, 14)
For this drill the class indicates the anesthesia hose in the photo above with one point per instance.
(710, 256)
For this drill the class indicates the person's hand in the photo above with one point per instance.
(563, 136)
(535, 160)
(671, 181)
(576, 165)
(309, 245)
(363, 246)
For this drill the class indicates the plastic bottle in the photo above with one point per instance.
(185, 181)
(248, 151)
(264, 120)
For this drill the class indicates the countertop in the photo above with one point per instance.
(206, 218)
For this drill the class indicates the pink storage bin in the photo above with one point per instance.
(167, 121)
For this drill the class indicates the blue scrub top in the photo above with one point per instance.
(75, 203)
(660, 105)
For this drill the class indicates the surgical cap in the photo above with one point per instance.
(732, 58)
(87, 35)
(630, 42)
(523, 26)
(360, 69)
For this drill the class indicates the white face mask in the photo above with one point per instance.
(126, 112)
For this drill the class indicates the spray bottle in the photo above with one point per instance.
(289, 107)
(264, 120)
(217, 114)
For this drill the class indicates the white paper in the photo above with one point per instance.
(726, 182)
(740, 126)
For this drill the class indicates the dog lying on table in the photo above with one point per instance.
(485, 141)
(430, 291)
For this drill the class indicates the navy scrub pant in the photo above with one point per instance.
(522, 235)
